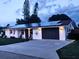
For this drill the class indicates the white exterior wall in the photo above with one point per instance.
(7, 33)
(29, 32)
(62, 34)
(16, 35)
(37, 33)
(23, 36)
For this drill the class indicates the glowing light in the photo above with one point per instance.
(61, 28)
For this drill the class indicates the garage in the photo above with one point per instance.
(50, 33)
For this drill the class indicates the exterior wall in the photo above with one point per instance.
(24, 35)
(12, 34)
(37, 33)
(62, 34)
(7, 33)
(16, 34)
(29, 29)
(68, 29)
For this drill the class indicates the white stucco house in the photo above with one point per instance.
(47, 30)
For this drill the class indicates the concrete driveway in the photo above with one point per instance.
(35, 49)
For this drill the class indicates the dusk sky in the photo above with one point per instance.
(12, 9)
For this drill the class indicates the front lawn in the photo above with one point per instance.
(70, 51)
(6, 41)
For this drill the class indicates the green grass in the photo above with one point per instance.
(6, 41)
(70, 51)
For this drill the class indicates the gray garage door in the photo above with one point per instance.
(50, 33)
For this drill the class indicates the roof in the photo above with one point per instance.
(18, 26)
(65, 22)
(53, 23)
(42, 24)
(55, 20)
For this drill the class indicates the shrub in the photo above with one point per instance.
(6, 41)
(74, 36)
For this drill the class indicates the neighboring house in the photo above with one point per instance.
(47, 30)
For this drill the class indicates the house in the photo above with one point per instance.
(58, 30)
(53, 30)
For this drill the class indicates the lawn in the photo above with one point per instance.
(6, 41)
(70, 51)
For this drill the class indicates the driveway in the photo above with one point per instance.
(35, 49)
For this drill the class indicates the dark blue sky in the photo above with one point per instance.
(12, 9)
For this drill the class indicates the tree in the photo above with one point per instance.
(20, 21)
(7, 25)
(28, 20)
(35, 12)
(34, 19)
(26, 10)
(59, 17)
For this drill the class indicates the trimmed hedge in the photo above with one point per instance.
(6, 41)
(73, 36)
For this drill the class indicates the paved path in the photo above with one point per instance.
(35, 49)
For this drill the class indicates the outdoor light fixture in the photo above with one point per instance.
(61, 28)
